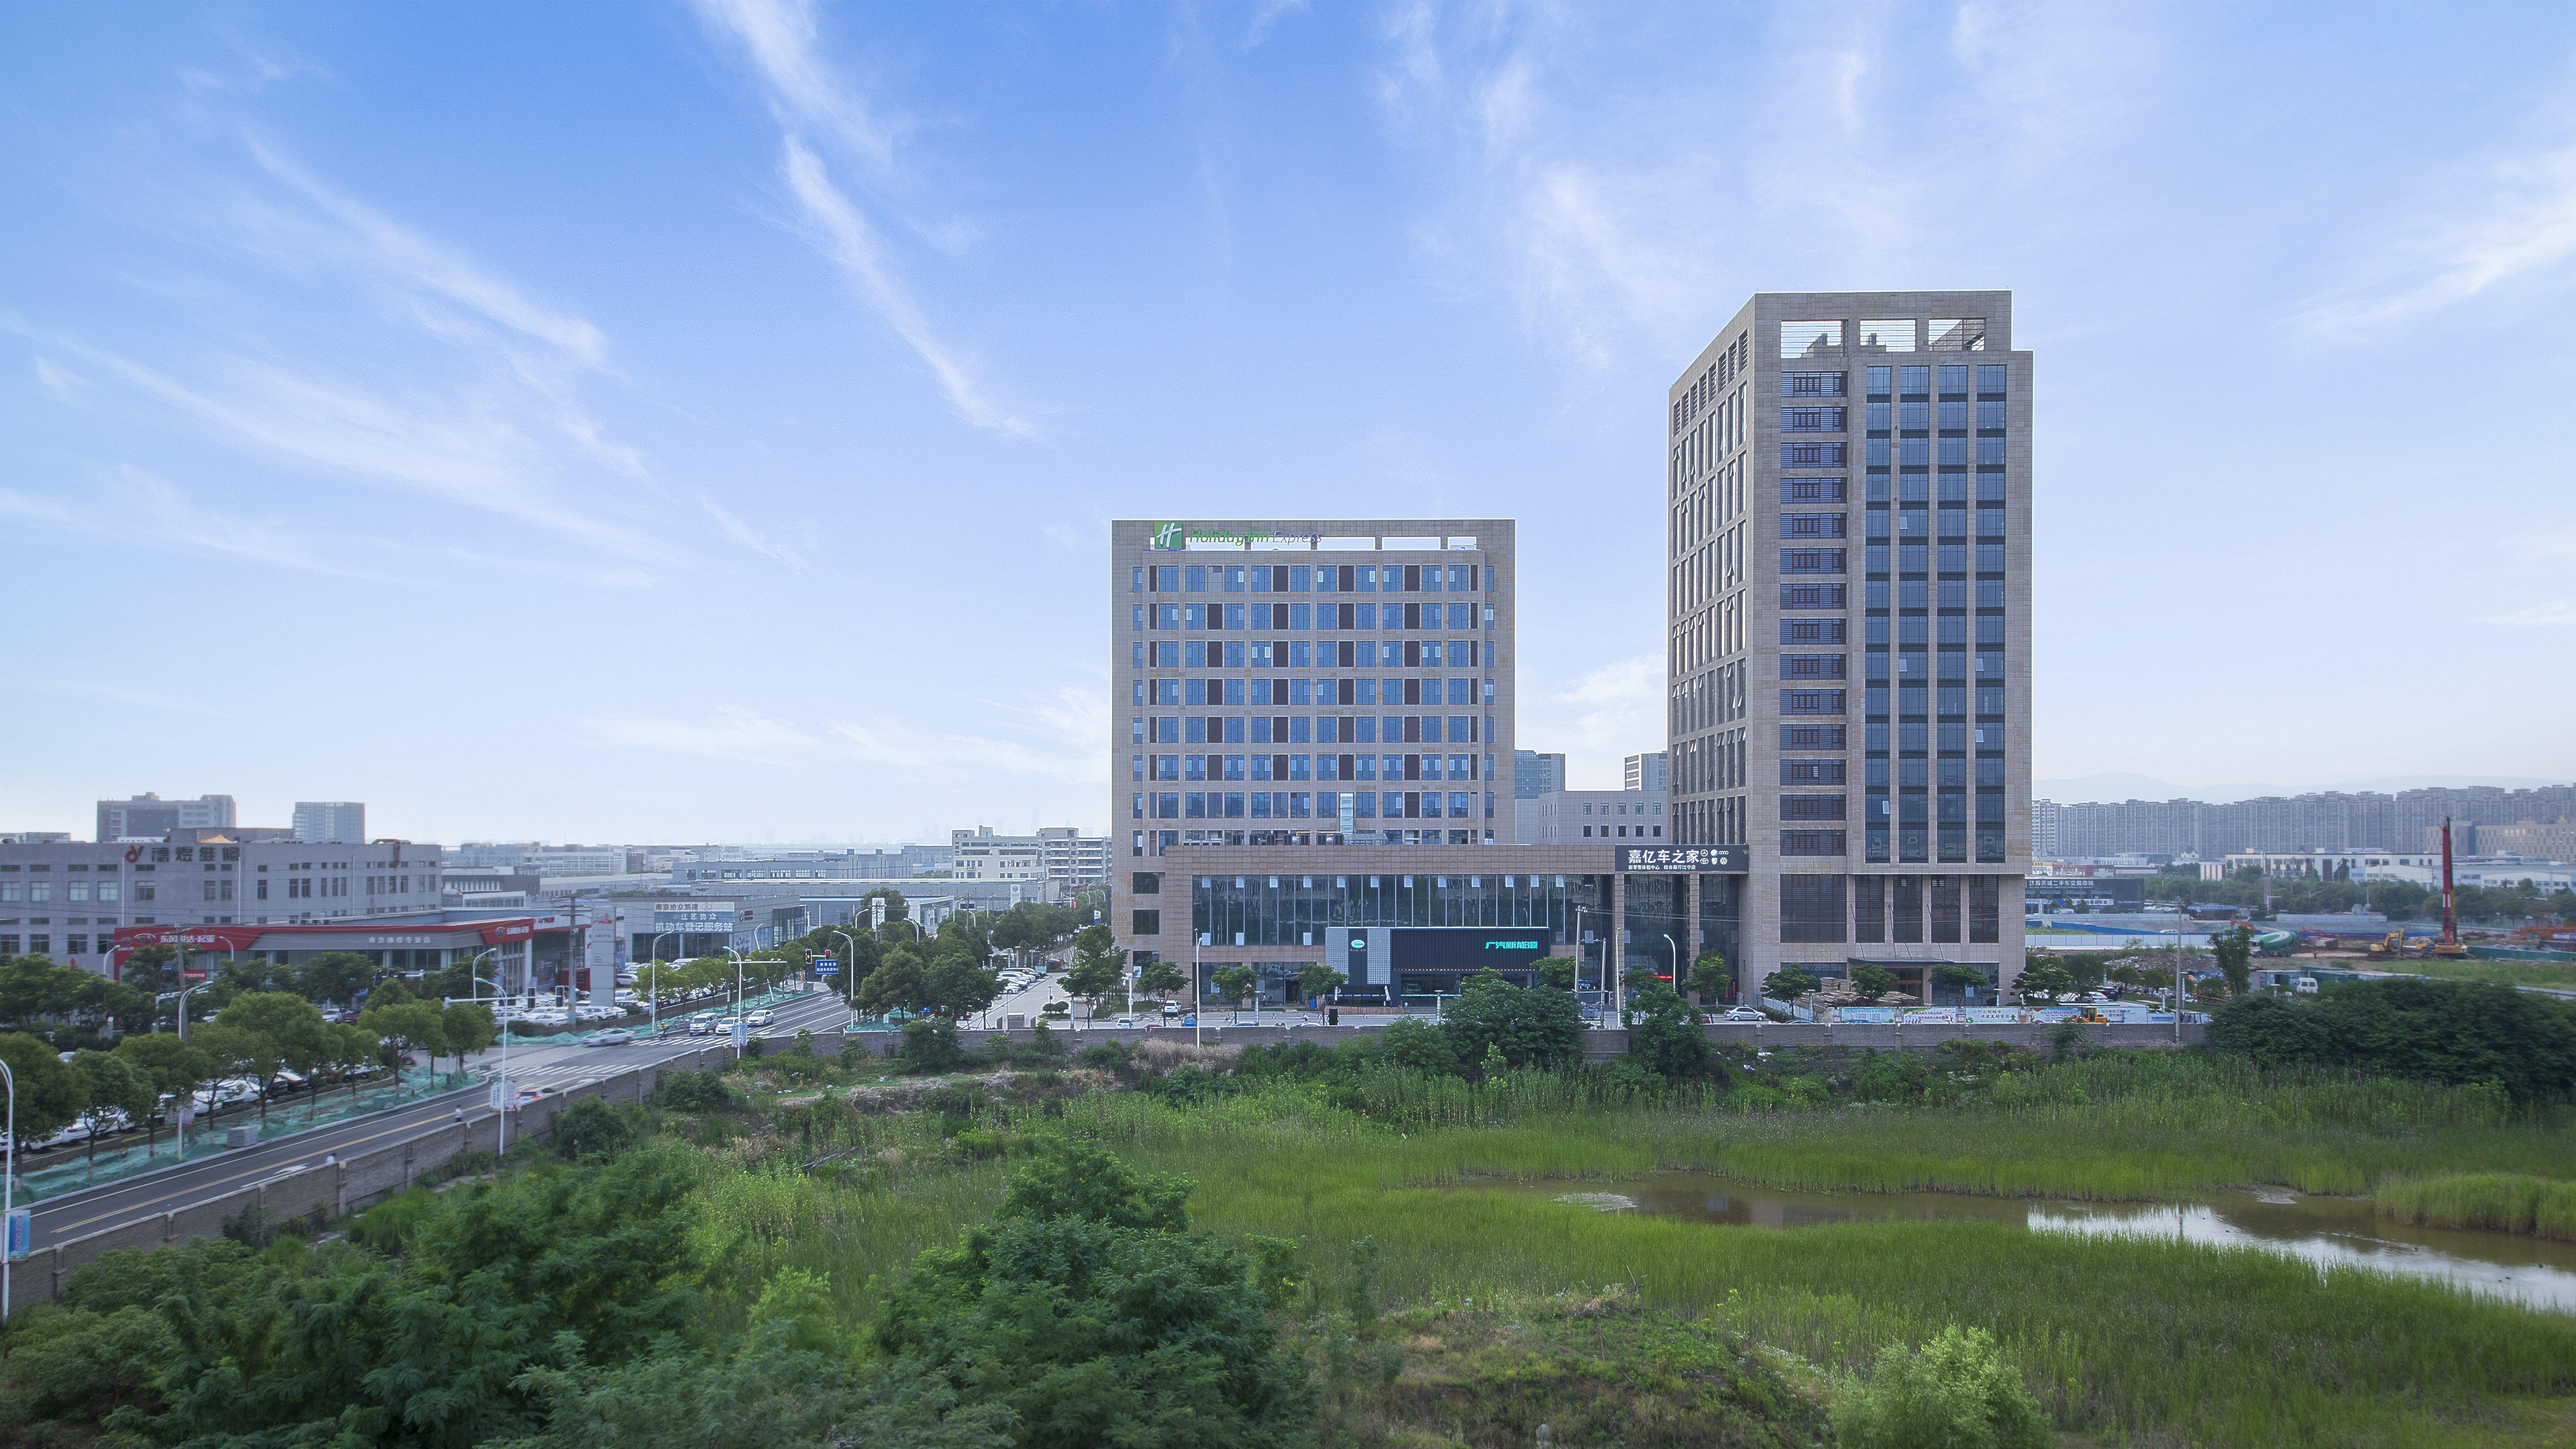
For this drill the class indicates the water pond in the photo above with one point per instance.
(2327, 1231)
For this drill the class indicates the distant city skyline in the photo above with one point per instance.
(703, 420)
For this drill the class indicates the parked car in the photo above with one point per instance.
(614, 1036)
(1173, 1009)
(589, 1012)
(1744, 1013)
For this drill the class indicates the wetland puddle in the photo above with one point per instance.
(2326, 1231)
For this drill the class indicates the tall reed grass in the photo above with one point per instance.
(2497, 1202)
(2160, 1342)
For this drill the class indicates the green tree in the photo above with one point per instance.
(1956, 976)
(351, 1050)
(1872, 980)
(1710, 975)
(898, 983)
(1530, 1027)
(1416, 1045)
(289, 1023)
(469, 1028)
(2234, 951)
(114, 1095)
(1318, 980)
(930, 1044)
(336, 976)
(1557, 972)
(2045, 981)
(1162, 978)
(175, 1067)
(50, 1093)
(1235, 983)
(960, 986)
(408, 1026)
(1666, 1037)
(1789, 983)
(239, 1052)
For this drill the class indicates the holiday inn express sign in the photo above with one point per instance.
(1175, 537)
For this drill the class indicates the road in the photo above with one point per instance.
(218, 1171)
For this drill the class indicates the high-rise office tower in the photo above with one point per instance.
(1849, 607)
(1536, 773)
(1645, 772)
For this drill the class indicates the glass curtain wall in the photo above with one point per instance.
(1291, 910)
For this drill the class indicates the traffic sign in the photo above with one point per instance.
(826, 966)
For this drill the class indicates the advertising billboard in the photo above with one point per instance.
(709, 917)
(1464, 948)
(1683, 859)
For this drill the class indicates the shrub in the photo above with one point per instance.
(1528, 1027)
(1956, 1392)
(1666, 1038)
(930, 1045)
(1418, 1046)
(691, 1092)
(2451, 1032)
(590, 1130)
(1106, 1055)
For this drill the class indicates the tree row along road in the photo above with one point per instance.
(220, 1171)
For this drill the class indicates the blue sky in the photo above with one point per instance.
(695, 421)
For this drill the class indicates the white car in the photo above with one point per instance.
(615, 1036)
(758, 1018)
(1743, 1013)
(588, 1012)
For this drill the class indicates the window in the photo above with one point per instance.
(1147, 883)
(1878, 382)
(1811, 596)
(1811, 560)
(1811, 525)
(1958, 334)
(1811, 737)
(1811, 339)
(1812, 772)
(1869, 909)
(1812, 631)
(1811, 701)
(1811, 384)
(1811, 906)
(1813, 455)
(1985, 901)
(1145, 923)
(1811, 666)
(1811, 420)
(1811, 490)
(1811, 807)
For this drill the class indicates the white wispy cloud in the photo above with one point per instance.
(808, 98)
(404, 256)
(2516, 223)
(135, 507)
(463, 452)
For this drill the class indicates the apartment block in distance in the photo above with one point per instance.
(1848, 498)
(332, 821)
(1646, 772)
(148, 816)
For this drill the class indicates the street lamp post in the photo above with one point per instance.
(1672, 946)
(1198, 989)
(849, 972)
(8, 1187)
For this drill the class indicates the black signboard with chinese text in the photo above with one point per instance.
(1683, 859)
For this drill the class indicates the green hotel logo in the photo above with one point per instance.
(1176, 537)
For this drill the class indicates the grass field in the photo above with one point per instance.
(2496, 1202)
(2126, 1340)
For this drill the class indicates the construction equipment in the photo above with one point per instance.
(2395, 945)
